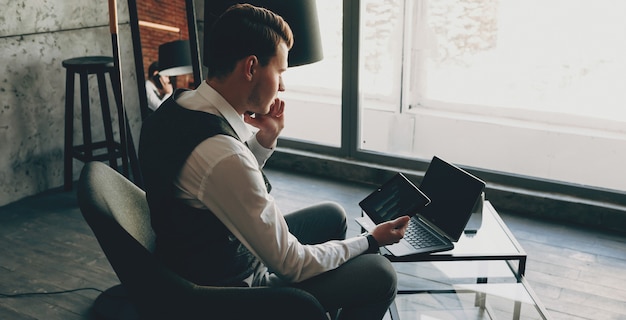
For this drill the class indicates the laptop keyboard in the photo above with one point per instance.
(419, 237)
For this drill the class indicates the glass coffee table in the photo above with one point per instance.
(481, 278)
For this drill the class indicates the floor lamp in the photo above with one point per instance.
(113, 303)
(127, 147)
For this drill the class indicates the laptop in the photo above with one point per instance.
(438, 224)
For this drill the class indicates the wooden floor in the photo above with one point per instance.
(45, 246)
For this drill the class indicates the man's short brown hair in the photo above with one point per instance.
(244, 30)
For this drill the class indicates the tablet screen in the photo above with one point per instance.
(396, 197)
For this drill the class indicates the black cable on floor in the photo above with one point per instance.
(25, 294)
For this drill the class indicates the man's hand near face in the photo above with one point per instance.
(270, 125)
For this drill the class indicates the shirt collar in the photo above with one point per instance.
(207, 99)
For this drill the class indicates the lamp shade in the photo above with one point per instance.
(301, 15)
(175, 58)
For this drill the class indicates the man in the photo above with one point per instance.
(158, 87)
(214, 219)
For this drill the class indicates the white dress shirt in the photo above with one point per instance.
(224, 175)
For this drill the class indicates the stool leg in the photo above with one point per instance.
(68, 158)
(86, 115)
(106, 118)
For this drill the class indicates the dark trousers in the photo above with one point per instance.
(364, 287)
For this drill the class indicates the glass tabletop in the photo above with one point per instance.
(492, 241)
(493, 237)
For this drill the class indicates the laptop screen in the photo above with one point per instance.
(453, 193)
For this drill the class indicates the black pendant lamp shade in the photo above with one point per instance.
(175, 58)
(301, 15)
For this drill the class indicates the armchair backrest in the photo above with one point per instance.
(103, 191)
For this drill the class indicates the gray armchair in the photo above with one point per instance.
(117, 212)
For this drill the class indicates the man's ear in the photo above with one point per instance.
(252, 63)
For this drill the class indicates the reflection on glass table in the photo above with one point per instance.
(473, 301)
(463, 290)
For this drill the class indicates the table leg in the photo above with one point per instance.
(393, 311)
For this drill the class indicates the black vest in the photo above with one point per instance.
(192, 242)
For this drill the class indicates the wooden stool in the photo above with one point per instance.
(108, 149)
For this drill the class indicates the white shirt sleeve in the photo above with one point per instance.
(260, 153)
(152, 93)
(232, 187)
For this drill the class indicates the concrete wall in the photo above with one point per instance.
(35, 38)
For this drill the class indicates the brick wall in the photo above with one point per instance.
(169, 13)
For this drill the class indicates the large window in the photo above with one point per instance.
(531, 88)
(525, 87)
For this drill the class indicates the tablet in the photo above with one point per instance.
(396, 197)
